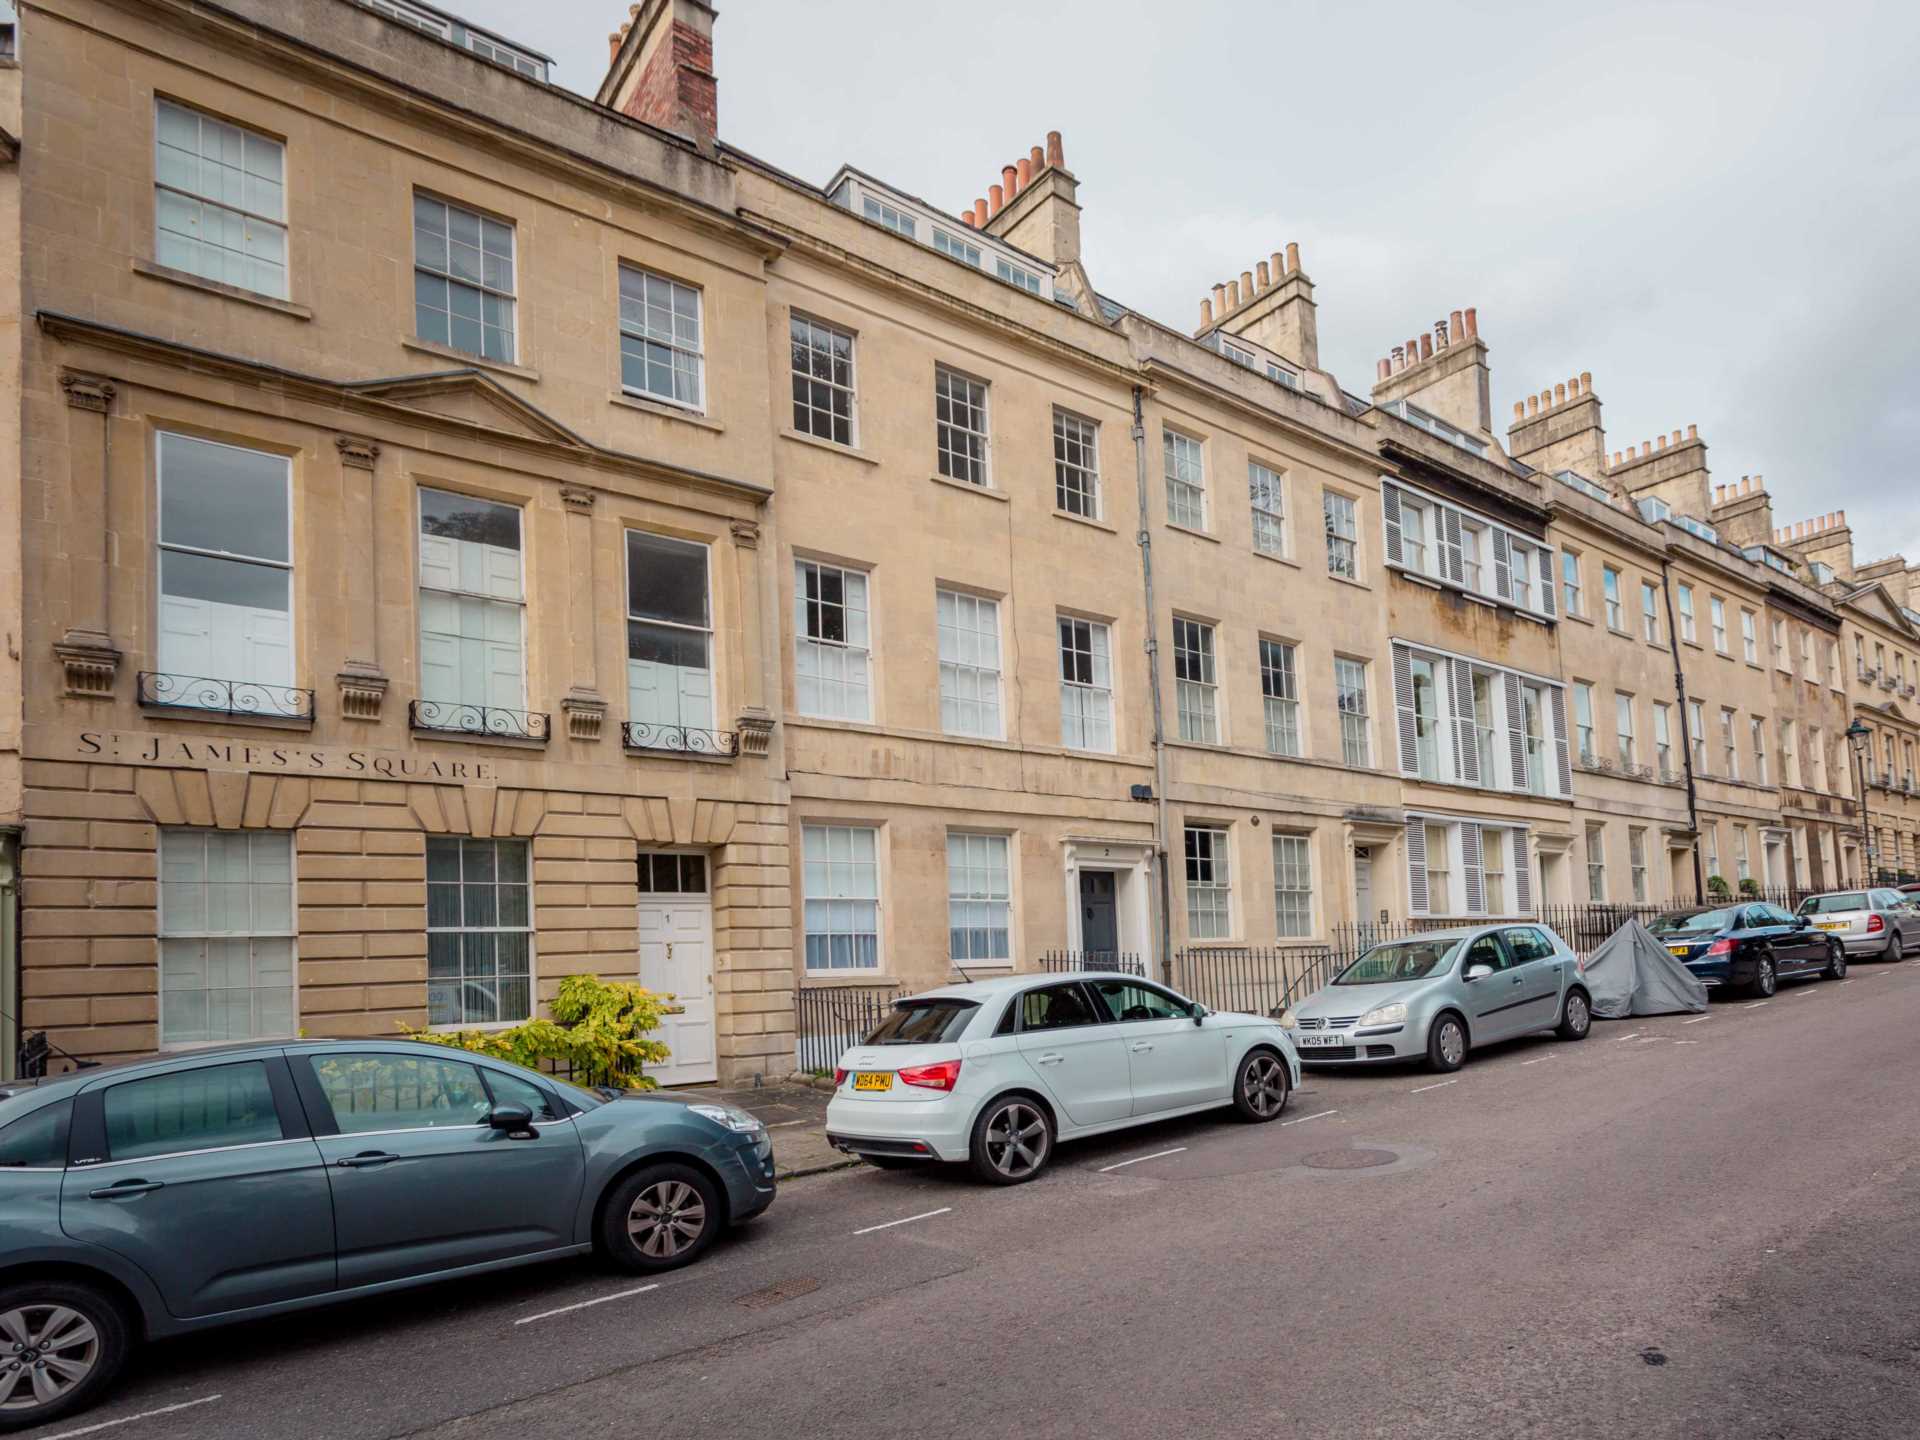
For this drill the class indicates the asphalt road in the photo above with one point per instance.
(1676, 1228)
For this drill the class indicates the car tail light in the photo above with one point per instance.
(1875, 924)
(1720, 947)
(839, 1077)
(943, 1076)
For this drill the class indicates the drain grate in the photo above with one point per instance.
(778, 1293)
(1349, 1159)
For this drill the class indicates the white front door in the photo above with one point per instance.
(676, 958)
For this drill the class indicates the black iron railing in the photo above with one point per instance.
(645, 735)
(458, 719)
(830, 1019)
(1126, 962)
(243, 699)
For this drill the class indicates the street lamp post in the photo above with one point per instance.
(1860, 737)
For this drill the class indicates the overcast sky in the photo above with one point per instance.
(1713, 208)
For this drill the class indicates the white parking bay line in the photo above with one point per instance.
(1756, 1005)
(1538, 1059)
(1424, 1088)
(1301, 1120)
(943, 1210)
(1634, 1036)
(1157, 1155)
(129, 1419)
(1698, 1019)
(585, 1304)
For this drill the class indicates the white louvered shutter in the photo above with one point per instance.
(1522, 863)
(1390, 511)
(1502, 566)
(1516, 734)
(1548, 563)
(1417, 865)
(1408, 727)
(1562, 755)
(1454, 564)
(1473, 867)
(1466, 747)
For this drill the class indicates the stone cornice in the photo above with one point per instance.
(368, 398)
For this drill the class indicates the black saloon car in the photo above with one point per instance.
(1750, 944)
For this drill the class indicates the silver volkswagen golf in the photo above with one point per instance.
(1438, 995)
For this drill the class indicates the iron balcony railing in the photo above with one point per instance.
(243, 699)
(645, 735)
(489, 720)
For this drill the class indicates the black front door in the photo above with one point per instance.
(1099, 929)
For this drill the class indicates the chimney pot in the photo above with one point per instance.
(1293, 257)
(1383, 369)
(613, 45)
(966, 218)
(1646, 447)
(1206, 313)
(1663, 442)
(1632, 454)
(1533, 404)
(996, 198)
(1246, 285)
(1457, 326)
(1056, 153)
(1220, 301)
(1676, 437)
(1586, 381)
(1009, 182)
(1023, 172)
(1399, 355)
(1546, 399)
(1559, 394)
(1473, 323)
(1719, 494)
(1519, 409)
(1039, 159)
(980, 212)
(1233, 294)
(1264, 274)
(1426, 347)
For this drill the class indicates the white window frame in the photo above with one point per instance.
(682, 344)
(1495, 846)
(1016, 275)
(275, 693)
(1184, 466)
(1076, 464)
(166, 914)
(1280, 696)
(1637, 862)
(661, 739)
(1596, 848)
(1663, 737)
(1572, 593)
(1583, 731)
(1782, 652)
(971, 658)
(840, 901)
(955, 248)
(1650, 612)
(1730, 740)
(460, 595)
(1086, 705)
(976, 889)
(1717, 612)
(889, 217)
(844, 651)
(499, 1022)
(1208, 875)
(1749, 638)
(1697, 734)
(817, 338)
(1757, 729)
(1687, 629)
(1196, 680)
(1266, 495)
(962, 428)
(1356, 722)
(1610, 590)
(1625, 728)
(1341, 514)
(1439, 866)
(508, 297)
(1292, 884)
(256, 222)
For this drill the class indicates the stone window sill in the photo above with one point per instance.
(986, 491)
(214, 287)
(461, 357)
(649, 406)
(1086, 520)
(831, 446)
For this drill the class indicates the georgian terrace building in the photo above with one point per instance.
(471, 534)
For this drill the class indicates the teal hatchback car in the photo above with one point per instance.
(163, 1196)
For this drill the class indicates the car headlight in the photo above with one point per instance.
(1386, 1015)
(1283, 1017)
(730, 1116)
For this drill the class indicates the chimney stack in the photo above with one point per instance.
(660, 70)
(1038, 209)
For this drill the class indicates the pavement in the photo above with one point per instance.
(1689, 1227)
(796, 1117)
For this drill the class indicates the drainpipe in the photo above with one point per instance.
(1686, 736)
(1153, 691)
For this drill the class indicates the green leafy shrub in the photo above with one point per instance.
(1717, 887)
(1749, 887)
(599, 1027)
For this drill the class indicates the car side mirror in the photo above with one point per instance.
(1801, 922)
(1477, 972)
(1199, 1013)
(515, 1120)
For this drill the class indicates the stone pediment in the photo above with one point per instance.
(471, 397)
(1876, 602)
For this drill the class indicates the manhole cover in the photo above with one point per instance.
(1349, 1159)
(782, 1291)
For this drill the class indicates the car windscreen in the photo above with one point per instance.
(1700, 922)
(923, 1022)
(1402, 960)
(1833, 904)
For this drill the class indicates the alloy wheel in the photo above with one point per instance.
(1764, 979)
(1837, 961)
(47, 1349)
(1264, 1085)
(1017, 1141)
(666, 1218)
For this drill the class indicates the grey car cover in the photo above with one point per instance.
(1634, 974)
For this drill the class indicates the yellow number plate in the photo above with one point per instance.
(1833, 925)
(1680, 949)
(873, 1080)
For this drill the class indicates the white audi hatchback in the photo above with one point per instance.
(995, 1073)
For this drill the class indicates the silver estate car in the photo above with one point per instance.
(1876, 921)
(1436, 996)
